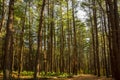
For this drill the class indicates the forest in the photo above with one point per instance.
(59, 39)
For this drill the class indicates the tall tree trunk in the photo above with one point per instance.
(48, 50)
(112, 11)
(45, 47)
(36, 72)
(51, 34)
(54, 49)
(75, 63)
(69, 51)
(104, 34)
(96, 37)
(109, 39)
(93, 42)
(117, 27)
(61, 41)
(8, 38)
(23, 19)
(30, 39)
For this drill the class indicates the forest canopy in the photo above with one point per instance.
(61, 38)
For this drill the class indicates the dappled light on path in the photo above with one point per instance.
(90, 77)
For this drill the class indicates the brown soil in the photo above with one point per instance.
(89, 77)
(78, 77)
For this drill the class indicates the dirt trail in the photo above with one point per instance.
(89, 77)
(78, 77)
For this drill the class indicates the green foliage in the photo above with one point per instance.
(27, 73)
(63, 75)
(50, 74)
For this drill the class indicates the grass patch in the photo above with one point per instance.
(53, 74)
(27, 73)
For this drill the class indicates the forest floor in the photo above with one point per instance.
(78, 77)
(89, 77)
(84, 77)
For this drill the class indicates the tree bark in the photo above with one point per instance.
(36, 72)
(75, 62)
(21, 43)
(3, 15)
(112, 12)
(96, 37)
(69, 50)
(9, 34)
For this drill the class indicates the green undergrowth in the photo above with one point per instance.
(45, 75)
(27, 73)
(53, 74)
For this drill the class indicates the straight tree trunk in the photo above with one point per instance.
(75, 63)
(54, 50)
(93, 43)
(104, 33)
(112, 11)
(23, 19)
(51, 34)
(61, 41)
(69, 51)
(45, 47)
(111, 56)
(48, 50)
(117, 26)
(30, 39)
(9, 34)
(36, 72)
(96, 37)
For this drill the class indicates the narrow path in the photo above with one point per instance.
(89, 77)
